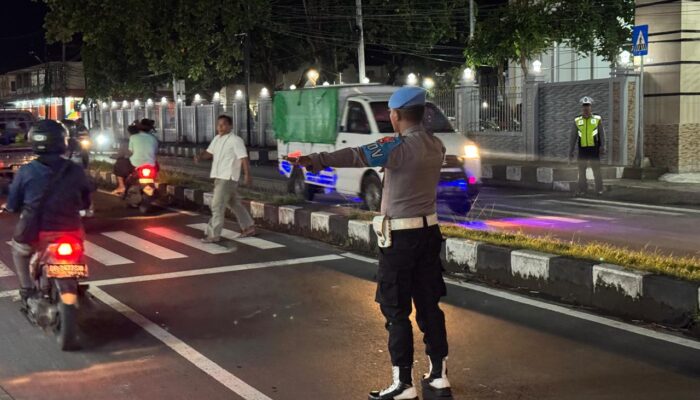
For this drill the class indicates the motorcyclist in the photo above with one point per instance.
(61, 208)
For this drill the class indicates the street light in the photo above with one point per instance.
(292, 87)
(137, 103)
(264, 93)
(428, 83)
(365, 80)
(326, 83)
(411, 79)
(468, 75)
(537, 66)
(312, 76)
(125, 104)
(485, 105)
(216, 97)
(238, 95)
(164, 100)
(114, 104)
(197, 98)
(625, 58)
(149, 102)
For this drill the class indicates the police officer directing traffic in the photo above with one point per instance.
(589, 136)
(409, 237)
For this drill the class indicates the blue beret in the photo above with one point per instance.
(407, 96)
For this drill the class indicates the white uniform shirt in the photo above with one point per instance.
(228, 151)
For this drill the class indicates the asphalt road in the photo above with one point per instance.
(637, 225)
(281, 317)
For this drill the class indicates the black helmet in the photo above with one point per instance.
(48, 137)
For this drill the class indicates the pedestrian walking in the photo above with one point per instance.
(588, 135)
(410, 270)
(229, 157)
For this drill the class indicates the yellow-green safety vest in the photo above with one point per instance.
(587, 130)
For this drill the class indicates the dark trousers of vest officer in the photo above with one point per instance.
(410, 271)
(589, 157)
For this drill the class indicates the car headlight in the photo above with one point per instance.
(471, 151)
(101, 140)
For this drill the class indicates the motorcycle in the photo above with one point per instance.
(80, 150)
(57, 267)
(141, 189)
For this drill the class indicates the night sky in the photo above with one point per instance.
(21, 31)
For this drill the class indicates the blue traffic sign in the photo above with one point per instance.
(640, 40)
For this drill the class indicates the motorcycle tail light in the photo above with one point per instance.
(64, 249)
(146, 172)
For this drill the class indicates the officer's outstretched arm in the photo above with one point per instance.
(382, 153)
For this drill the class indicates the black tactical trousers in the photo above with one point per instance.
(410, 271)
(589, 156)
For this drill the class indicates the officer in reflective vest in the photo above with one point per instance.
(588, 136)
(410, 270)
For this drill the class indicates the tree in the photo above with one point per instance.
(523, 29)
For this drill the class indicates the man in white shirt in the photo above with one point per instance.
(229, 155)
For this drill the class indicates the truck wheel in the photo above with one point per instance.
(372, 192)
(299, 187)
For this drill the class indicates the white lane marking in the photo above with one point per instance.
(640, 205)
(638, 330)
(200, 272)
(215, 270)
(144, 245)
(235, 236)
(562, 213)
(5, 270)
(208, 366)
(562, 219)
(626, 210)
(360, 258)
(104, 256)
(210, 248)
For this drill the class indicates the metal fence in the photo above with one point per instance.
(500, 109)
(445, 100)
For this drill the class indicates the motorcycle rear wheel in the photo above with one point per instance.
(66, 328)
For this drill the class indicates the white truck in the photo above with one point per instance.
(331, 118)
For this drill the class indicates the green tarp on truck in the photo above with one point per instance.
(307, 115)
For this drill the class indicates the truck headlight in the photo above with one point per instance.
(471, 151)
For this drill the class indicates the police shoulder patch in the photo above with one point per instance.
(377, 153)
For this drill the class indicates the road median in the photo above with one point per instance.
(636, 285)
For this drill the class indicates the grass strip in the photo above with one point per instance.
(687, 268)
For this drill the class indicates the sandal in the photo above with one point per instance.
(250, 232)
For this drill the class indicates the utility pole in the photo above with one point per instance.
(361, 47)
(472, 20)
(63, 79)
(247, 87)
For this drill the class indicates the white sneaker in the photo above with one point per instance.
(397, 391)
(436, 386)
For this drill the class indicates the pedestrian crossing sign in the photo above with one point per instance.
(640, 40)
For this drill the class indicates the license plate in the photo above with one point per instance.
(66, 271)
(145, 181)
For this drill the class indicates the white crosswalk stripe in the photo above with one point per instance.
(176, 236)
(616, 209)
(261, 244)
(147, 247)
(638, 205)
(104, 256)
(5, 270)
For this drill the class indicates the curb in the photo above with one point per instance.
(610, 288)
(561, 179)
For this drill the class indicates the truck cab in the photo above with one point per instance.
(362, 118)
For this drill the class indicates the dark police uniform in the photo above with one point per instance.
(410, 269)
